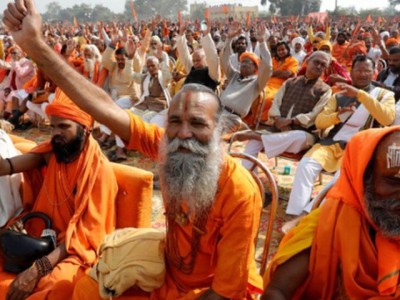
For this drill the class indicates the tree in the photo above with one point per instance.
(53, 11)
(293, 7)
(198, 13)
(146, 9)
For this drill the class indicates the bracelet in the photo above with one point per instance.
(11, 166)
(43, 266)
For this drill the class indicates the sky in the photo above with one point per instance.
(118, 5)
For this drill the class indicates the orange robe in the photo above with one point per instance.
(225, 260)
(337, 53)
(342, 244)
(274, 83)
(79, 198)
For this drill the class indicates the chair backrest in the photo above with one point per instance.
(135, 191)
(318, 200)
(257, 168)
(134, 199)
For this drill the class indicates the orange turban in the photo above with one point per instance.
(254, 58)
(391, 41)
(63, 107)
(325, 43)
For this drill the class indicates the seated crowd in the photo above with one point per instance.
(174, 92)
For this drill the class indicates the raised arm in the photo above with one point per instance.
(24, 23)
(265, 70)
(234, 30)
(183, 50)
(212, 58)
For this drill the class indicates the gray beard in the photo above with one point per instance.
(381, 210)
(88, 66)
(190, 177)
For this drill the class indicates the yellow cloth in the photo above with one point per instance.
(295, 241)
(382, 109)
(129, 257)
(330, 157)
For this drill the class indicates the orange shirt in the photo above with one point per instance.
(225, 260)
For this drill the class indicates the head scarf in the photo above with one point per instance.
(254, 58)
(63, 107)
(384, 33)
(391, 41)
(369, 270)
(325, 43)
(155, 38)
(298, 40)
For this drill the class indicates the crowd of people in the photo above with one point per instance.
(325, 89)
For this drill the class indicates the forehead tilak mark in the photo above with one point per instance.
(186, 102)
(393, 156)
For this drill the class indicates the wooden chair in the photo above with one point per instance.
(273, 187)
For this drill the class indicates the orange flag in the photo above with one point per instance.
(165, 29)
(379, 20)
(248, 20)
(225, 9)
(76, 25)
(133, 10)
(207, 14)
(369, 19)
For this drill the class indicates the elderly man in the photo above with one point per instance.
(244, 86)
(212, 203)
(347, 112)
(92, 64)
(293, 112)
(14, 96)
(72, 182)
(203, 65)
(349, 247)
(153, 102)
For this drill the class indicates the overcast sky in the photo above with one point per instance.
(118, 5)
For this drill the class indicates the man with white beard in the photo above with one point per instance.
(212, 218)
(92, 63)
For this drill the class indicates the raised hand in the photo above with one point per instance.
(235, 29)
(131, 48)
(182, 27)
(261, 33)
(23, 21)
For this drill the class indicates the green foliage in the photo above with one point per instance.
(293, 7)
(198, 13)
(83, 13)
(147, 9)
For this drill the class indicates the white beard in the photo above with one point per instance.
(88, 66)
(191, 177)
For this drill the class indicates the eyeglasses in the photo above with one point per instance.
(319, 63)
(247, 63)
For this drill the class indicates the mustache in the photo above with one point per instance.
(58, 139)
(192, 144)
